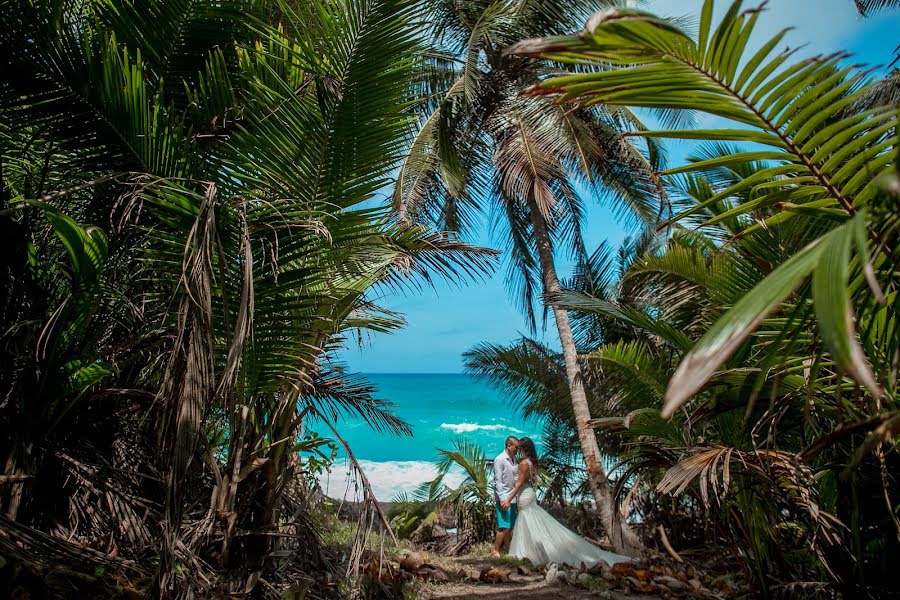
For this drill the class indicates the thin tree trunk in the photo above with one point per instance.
(621, 538)
(16, 472)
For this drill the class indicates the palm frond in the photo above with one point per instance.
(336, 393)
(866, 7)
(531, 376)
(822, 162)
(632, 376)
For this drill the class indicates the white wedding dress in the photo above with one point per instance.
(542, 539)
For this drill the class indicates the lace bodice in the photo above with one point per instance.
(529, 475)
(527, 496)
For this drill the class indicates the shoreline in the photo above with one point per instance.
(388, 479)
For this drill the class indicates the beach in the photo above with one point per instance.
(440, 408)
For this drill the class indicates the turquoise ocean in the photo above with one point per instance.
(440, 408)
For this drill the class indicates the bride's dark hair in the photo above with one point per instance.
(526, 447)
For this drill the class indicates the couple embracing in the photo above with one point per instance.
(526, 530)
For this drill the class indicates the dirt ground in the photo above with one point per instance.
(521, 587)
(523, 591)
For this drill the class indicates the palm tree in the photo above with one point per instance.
(185, 189)
(472, 499)
(481, 146)
(821, 162)
(533, 376)
(788, 303)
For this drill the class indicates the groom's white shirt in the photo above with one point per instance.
(506, 472)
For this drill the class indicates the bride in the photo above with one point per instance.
(539, 537)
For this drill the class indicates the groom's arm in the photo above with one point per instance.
(502, 473)
(523, 475)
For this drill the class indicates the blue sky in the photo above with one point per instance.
(448, 320)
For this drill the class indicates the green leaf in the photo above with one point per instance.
(625, 314)
(86, 246)
(705, 25)
(83, 377)
(862, 246)
(730, 331)
(834, 313)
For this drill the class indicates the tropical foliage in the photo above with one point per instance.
(185, 204)
(753, 365)
(189, 202)
(483, 149)
(866, 7)
(408, 515)
(472, 501)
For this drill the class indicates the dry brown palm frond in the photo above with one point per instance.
(99, 506)
(784, 472)
(841, 432)
(244, 325)
(884, 433)
(189, 381)
(45, 552)
(370, 508)
(527, 156)
(699, 466)
(4, 479)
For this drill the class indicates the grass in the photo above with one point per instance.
(337, 532)
(483, 551)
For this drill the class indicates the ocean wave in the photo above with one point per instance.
(386, 478)
(471, 427)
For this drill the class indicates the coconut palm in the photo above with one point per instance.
(483, 148)
(533, 376)
(472, 500)
(823, 168)
(185, 189)
(788, 303)
(732, 421)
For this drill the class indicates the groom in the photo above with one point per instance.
(505, 475)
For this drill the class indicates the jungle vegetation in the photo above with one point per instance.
(190, 231)
(192, 201)
(741, 355)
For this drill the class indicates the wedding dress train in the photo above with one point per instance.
(542, 539)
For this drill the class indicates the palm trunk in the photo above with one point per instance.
(621, 538)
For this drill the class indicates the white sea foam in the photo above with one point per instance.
(386, 478)
(470, 427)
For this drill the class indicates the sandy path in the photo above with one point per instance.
(530, 587)
(517, 591)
